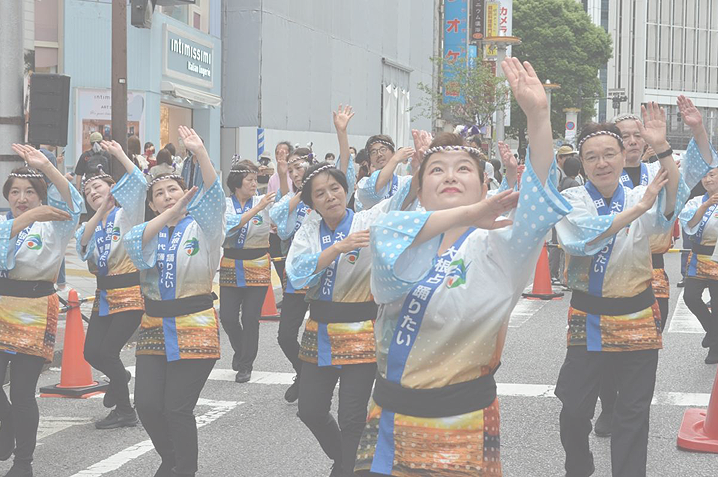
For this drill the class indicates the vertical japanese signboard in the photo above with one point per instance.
(492, 27)
(477, 20)
(455, 44)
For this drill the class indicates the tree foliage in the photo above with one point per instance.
(482, 92)
(565, 47)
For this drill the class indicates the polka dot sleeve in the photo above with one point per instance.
(582, 225)
(208, 210)
(64, 228)
(142, 257)
(693, 165)
(303, 256)
(131, 193)
(687, 214)
(366, 192)
(395, 266)
(279, 213)
(655, 221)
(86, 252)
(351, 178)
(232, 219)
(7, 245)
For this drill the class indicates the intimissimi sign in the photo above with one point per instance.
(188, 57)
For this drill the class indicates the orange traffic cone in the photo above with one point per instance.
(76, 375)
(699, 429)
(269, 308)
(542, 280)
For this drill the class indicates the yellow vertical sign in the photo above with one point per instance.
(492, 27)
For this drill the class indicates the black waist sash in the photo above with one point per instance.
(26, 288)
(179, 306)
(125, 280)
(245, 253)
(658, 262)
(596, 305)
(336, 312)
(703, 249)
(451, 400)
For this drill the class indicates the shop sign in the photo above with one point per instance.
(188, 57)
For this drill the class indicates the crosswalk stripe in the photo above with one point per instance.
(682, 320)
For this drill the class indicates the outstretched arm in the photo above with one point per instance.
(193, 143)
(38, 161)
(342, 116)
(174, 213)
(694, 119)
(386, 174)
(115, 149)
(529, 93)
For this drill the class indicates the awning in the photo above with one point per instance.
(190, 94)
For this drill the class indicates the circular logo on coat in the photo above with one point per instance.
(34, 242)
(116, 234)
(457, 275)
(191, 246)
(257, 220)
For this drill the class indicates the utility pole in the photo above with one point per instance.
(12, 68)
(119, 80)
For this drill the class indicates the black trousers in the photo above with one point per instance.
(20, 412)
(166, 394)
(275, 251)
(693, 297)
(106, 335)
(316, 388)
(294, 308)
(577, 388)
(245, 337)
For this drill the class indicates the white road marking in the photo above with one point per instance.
(114, 462)
(524, 310)
(682, 320)
(51, 425)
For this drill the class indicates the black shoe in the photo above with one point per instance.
(165, 469)
(706, 343)
(336, 470)
(712, 357)
(20, 469)
(682, 283)
(292, 393)
(243, 375)
(117, 419)
(110, 399)
(591, 470)
(235, 362)
(602, 428)
(7, 439)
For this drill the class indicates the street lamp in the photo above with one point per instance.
(548, 86)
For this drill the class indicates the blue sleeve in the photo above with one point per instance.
(285, 222)
(87, 252)
(396, 265)
(7, 245)
(351, 179)
(688, 212)
(302, 260)
(131, 193)
(694, 165)
(662, 223)
(65, 228)
(142, 257)
(208, 209)
(366, 192)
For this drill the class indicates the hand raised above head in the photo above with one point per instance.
(191, 139)
(525, 85)
(32, 157)
(342, 116)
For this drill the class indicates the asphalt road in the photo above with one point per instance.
(249, 430)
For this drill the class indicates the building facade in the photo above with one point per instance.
(662, 48)
(288, 64)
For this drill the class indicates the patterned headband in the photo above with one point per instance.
(600, 133)
(625, 117)
(86, 180)
(162, 178)
(380, 141)
(31, 174)
(470, 150)
(241, 171)
(319, 170)
(306, 158)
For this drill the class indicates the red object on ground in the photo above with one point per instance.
(76, 375)
(699, 429)
(542, 289)
(269, 308)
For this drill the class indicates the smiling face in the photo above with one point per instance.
(632, 141)
(603, 161)
(96, 191)
(379, 155)
(450, 179)
(22, 197)
(710, 182)
(328, 197)
(165, 194)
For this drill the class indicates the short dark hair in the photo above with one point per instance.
(235, 179)
(380, 138)
(148, 144)
(133, 146)
(290, 148)
(180, 182)
(164, 157)
(591, 128)
(37, 183)
(451, 139)
(572, 166)
(331, 170)
(171, 148)
(329, 155)
(362, 156)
